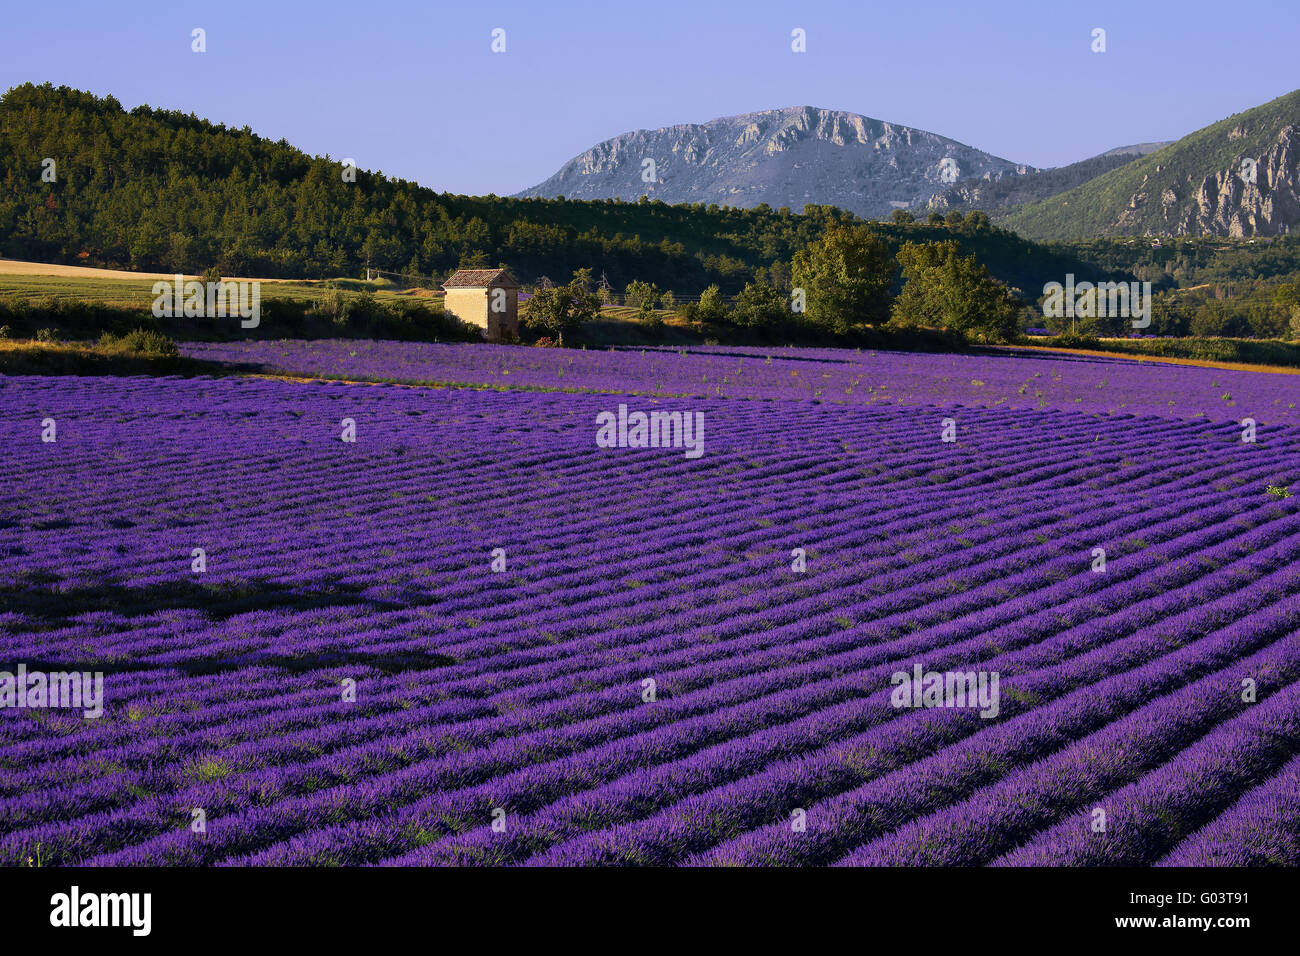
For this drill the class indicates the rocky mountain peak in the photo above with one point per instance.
(783, 157)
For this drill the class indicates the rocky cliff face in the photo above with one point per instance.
(1236, 177)
(788, 157)
(1255, 197)
(1228, 203)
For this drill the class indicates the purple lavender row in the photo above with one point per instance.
(999, 817)
(883, 805)
(906, 737)
(1145, 819)
(698, 822)
(271, 756)
(1260, 829)
(531, 784)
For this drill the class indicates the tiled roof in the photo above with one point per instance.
(481, 279)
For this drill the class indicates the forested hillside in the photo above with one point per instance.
(1002, 195)
(160, 190)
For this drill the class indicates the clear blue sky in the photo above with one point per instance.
(414, 90)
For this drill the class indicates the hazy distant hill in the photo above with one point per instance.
(994, 195)
(785, 157)
(1195, 186)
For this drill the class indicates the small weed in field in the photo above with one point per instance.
(211, 769)
(1279, 491)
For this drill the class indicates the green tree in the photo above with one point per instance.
(1288, 293)
(640, 294)
(1286, 299)
(581, 279)
(147, 244)
(846, 278)
(1219, 319)
(649, 297)
(760, 306)
(711, 308)
(564, 308)
(944, 290)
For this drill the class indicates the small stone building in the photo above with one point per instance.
(488, 298)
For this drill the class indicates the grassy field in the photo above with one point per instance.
(78, 304)
(138, 292)
(81, 286)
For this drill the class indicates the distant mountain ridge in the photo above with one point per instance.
(993, 195)
(786, 157)
(1137, 149)
(1237, 177)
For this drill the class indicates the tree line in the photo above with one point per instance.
(838, 285)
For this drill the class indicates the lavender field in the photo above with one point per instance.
(838, 376)
(473, 636)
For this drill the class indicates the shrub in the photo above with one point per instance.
(138, 342)
(333, 304)
(1076, 340)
